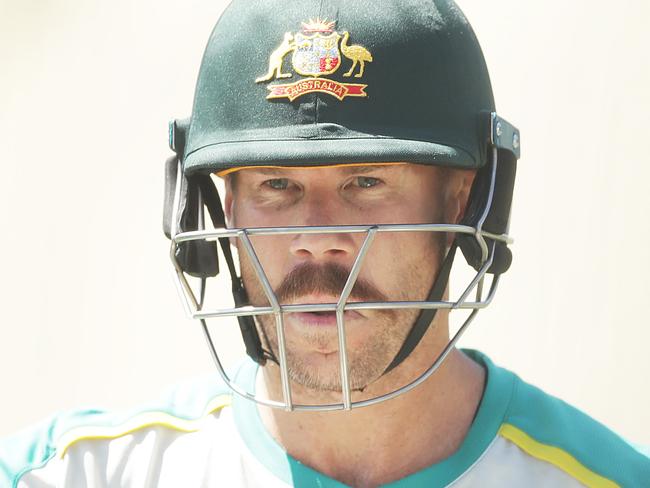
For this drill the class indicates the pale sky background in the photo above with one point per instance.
(89, 312)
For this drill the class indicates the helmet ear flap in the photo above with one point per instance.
(197, 258)
(498, 217)
(171, 175)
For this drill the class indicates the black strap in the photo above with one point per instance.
(247, 326)
(213, 203)
(426, 315)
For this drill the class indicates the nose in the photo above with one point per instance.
(339, 246)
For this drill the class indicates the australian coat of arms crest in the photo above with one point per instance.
(317, 52)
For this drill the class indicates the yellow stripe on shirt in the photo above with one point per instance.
(556, 456)
(139, 422)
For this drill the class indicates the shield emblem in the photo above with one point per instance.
(316, 54)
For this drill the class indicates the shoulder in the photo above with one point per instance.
(548, 429)
(50, 447)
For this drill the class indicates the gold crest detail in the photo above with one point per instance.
(318, 50)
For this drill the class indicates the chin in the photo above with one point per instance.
(320, 372)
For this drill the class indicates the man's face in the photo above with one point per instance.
(313, 268)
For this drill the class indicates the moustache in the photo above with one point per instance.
(326, 279)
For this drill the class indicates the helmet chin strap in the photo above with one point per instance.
(247, 326)
(426, 316)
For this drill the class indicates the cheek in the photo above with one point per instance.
(402, 265)
(268, 249)
(271, 251)
(248, 216)
(407, 209)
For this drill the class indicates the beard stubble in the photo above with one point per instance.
(368, 361)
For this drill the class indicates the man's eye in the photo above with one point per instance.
(278, 183)
(367, 181)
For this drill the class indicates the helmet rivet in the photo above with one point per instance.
(515, 141)
(499, 129)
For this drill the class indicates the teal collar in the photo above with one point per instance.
(490, 415)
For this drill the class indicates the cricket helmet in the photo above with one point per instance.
(318, 83)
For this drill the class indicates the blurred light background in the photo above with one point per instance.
(89, 313)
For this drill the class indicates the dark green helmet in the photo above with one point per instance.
(306, 82)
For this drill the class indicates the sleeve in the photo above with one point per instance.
(35, 446)
(27, 450)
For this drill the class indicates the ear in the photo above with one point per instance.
(458, 186)
(228, 201)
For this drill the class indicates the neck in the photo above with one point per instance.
(387, 441)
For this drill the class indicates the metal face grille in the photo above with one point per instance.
(194, 303)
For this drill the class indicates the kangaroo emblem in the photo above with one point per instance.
(356, 54)
(277, 56)
(318, 51)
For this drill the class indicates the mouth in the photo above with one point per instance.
(324, 319)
